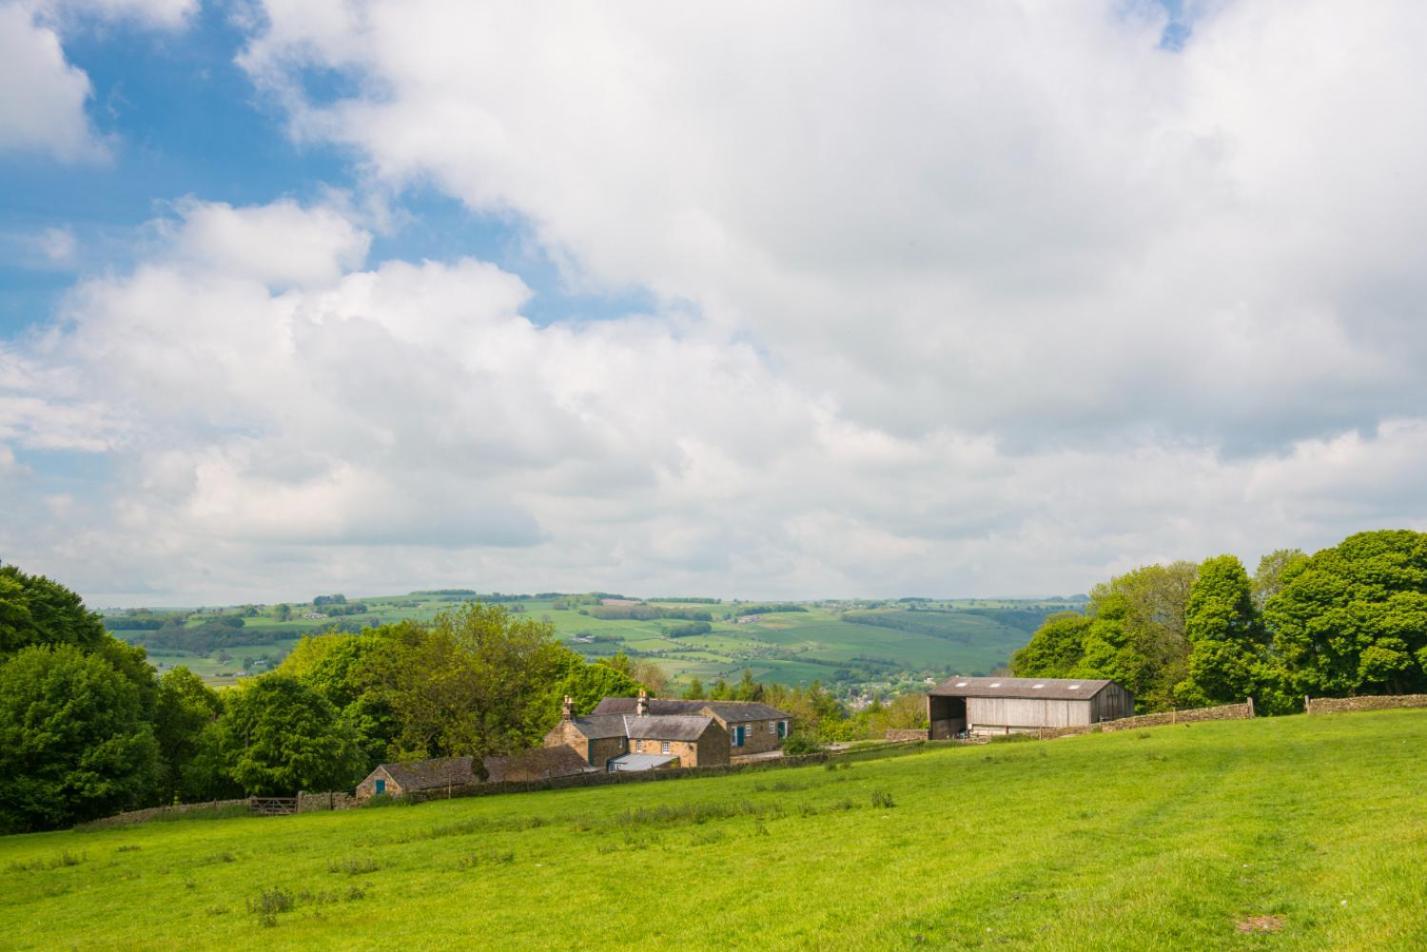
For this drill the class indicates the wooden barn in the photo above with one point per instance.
(1012, 705)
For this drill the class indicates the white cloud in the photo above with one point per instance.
(1024, 218)
(403, 425)
(41, 96)
(58, 245)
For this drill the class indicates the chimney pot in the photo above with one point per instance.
(567, 710)
(641, 706)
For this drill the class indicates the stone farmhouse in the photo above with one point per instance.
(451, 773)
(1015, 705)
(646, 733)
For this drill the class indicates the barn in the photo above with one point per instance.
(1013, 705)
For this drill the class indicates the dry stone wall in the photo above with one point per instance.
(1225, 712)
(1342, 705)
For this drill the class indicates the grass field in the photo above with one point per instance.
(890, 648)
(1188, 837)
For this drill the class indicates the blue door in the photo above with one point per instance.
(738, 735)
(381, 787)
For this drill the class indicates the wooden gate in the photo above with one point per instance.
(273, 806)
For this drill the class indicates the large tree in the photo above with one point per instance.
(1226, 640)
(75, 740)
(184, 709)
(37, 611)
(278, 736)
(1352, 619)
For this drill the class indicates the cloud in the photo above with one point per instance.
(1024, 219)
(41, 96)
(340, 425)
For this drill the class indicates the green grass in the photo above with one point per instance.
(1158, 839)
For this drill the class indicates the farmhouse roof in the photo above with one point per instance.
(666, 727)
(728, 711)
(542, 762)
(1058, 689)
(600, 725)
(429, 774)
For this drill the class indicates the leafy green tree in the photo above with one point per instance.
(1055, 649)
(37, 611)
(75, 742)
(1273, 569)
(347, 670)
(587, 685)
(1352, 619)
(477, 682)
(695, 690)
(184, 708)
(278, 736)
(748, 689)
(1226, 640)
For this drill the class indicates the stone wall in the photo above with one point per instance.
(165, 812)
(1380, 702)
(334, 800)
(905, 735)
(1224, 712)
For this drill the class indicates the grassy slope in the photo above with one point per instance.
(1163, 839)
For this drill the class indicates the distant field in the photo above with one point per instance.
(849, 645)
(1287, 833)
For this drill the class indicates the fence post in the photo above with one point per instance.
(1307, 705)
(1251, 707)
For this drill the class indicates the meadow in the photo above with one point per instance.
(852, 645)
(1283, 833)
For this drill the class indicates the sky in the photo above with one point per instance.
(802, 300)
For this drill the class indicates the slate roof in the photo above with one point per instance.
(598, 726)
(429, 774)
(1057, 689)
(640, 761)
(542, 763)
(666, 727)
(734, 712)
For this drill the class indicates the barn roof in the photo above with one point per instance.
(429, 774)
(1057, 689)
(542, 762)
(666, 727)
(734, 712)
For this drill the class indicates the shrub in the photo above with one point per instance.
(799, 744)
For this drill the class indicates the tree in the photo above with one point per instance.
(279, 736)
(477, 682)
(75, 743)
(587, 684)
(1352, 619)
(1224, 633)
(37, 611)
(184, 709)
(1273, 569)
(1055, 649)
(695, 690)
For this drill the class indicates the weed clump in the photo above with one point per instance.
(883, 800)
(65, 858)
(354, 866)
(473, 860)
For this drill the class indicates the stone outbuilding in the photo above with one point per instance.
(448, 774)
(1017, 705)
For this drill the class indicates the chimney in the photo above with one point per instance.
(567, 710)
(641, 706)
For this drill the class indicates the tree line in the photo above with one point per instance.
(88, 728)
(1348, 620)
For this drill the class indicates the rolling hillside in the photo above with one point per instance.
(1286, 833)
(853, 645)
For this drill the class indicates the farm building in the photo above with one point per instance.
(752, 727)
(1012, 705)
(642, 739)
(450, 773)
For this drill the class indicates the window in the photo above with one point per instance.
(664, 748)
(634, 746)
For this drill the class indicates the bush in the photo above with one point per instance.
(801, 744)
